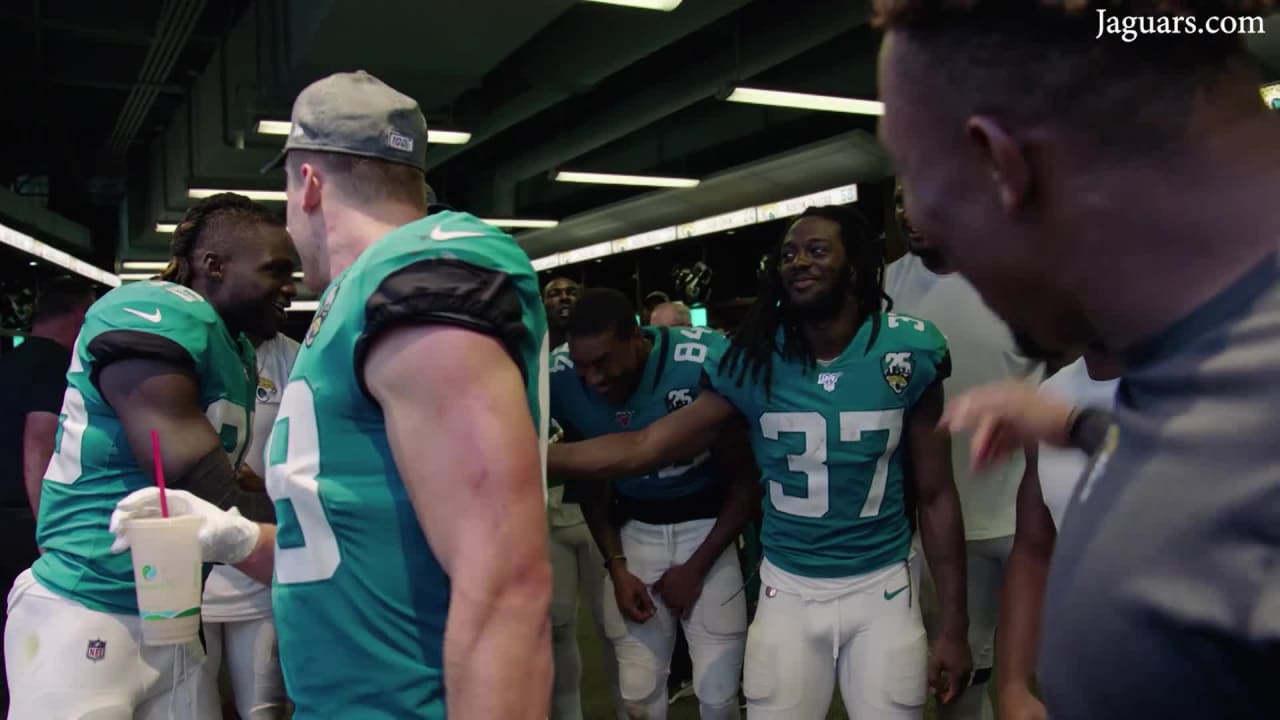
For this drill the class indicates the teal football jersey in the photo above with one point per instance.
(830, 448)
(93, 466)
(672, 379)
(360, 601)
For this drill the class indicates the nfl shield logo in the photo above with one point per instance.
(96, 651)
(623, 417)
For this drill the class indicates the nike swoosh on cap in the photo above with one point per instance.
(151, 317)
(440, 235)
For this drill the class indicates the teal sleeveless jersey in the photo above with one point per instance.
(93, 466)
(360, 601)
(830, 448)
(672, 379)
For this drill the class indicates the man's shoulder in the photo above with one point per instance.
(904, 331)
(157, 302)
(447, 235)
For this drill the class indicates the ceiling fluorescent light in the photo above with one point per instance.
(805, 101)
(166, 227)
(297, 276)
(448, 137)
(31, 246)
(662, 5)
(259, 195)
(434, 137)
(842, 195)
(304, 305)
(143, 265)
(274, 127)
(520, 223)
(636, 180)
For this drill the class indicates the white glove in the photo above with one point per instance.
(225, 537)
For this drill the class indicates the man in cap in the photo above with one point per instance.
(407, 459)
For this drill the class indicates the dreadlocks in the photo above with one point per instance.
(204, 223)
(751, 353)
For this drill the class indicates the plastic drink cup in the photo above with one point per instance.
(167, 577)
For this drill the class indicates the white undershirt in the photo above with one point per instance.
(982, 352)
(230, 595)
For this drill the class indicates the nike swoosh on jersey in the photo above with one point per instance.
(440, 235)
(891, 595)
(151, 317)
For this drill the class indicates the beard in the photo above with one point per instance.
(825, 305)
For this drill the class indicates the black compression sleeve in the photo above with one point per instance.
(213, 479)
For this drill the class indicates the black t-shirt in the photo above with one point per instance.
(33, 378)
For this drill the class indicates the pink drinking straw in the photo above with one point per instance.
(159, 465)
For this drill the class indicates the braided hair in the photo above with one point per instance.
(751, 353)
(203, 223)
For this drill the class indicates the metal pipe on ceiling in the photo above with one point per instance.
(760, 51)
(178, 19)
(575, 53)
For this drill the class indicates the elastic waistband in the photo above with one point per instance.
(699, 505)
(823, 589)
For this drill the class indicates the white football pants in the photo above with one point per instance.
(253, 664)
(864, 632)
(576, 564)
(68, 662)
(716, 628)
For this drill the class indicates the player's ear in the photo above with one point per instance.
(213, 266)
(311, 182)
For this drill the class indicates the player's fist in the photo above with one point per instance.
(632, 596)
(950, 666)
(1020, 704)
(225, 537)
(1005, 417)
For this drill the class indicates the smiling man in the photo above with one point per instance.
(1120, 196)
(168, 355)
(842, 401)
(559, 296)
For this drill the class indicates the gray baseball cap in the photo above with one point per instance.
(357, 114)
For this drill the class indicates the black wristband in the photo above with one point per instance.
(213, 479)
(1089, 429)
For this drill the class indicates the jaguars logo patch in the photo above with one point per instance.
(677, 399)
(266, 390)
(321, 313)
(897, 369)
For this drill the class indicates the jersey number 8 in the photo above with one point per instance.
(293, 464)
(694, 352)
(66, 466)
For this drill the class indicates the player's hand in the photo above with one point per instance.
(225, 536)
(1005, 417)
(950, 666)
(1021, 704)
(632, 596)
(249, 480)
(680, 587)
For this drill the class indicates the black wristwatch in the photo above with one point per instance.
(1087, 429)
